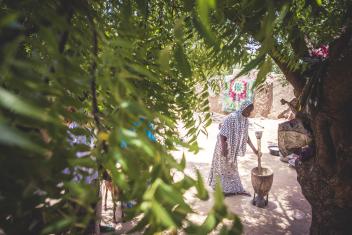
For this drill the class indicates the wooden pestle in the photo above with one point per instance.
(259, 138)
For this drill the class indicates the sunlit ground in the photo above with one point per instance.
(288, 212)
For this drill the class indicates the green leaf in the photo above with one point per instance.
(194, 148)
(149, 195)
(58, 225)
(183, 162)
(218, 195)
(143, 6)
(236, 227)
(179, 29)
(283, 13)
(224, 230)
(251, 65)
(202, 192)
(203, 7)
(164, 58)
(182, 61)
(209, 223)
(188, 4)
(20, 106)
(175, 198)
(265, 68)
(205, 32)
(8, 19)
(162, 215)
(12, 137)
(83, 161)
(208, 123)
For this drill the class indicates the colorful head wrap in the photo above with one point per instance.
(245, 105)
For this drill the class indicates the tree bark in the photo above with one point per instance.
(326, 179)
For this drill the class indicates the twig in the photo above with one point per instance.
(258, 125)
(64, 37)
(93, 87)
(63, 40)
(95, 113)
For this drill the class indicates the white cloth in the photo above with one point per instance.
(226, 172)
(235, 129)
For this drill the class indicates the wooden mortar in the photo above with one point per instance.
(262, 178)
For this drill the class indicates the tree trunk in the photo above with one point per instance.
(326, 179)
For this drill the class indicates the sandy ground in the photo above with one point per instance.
(288, 212)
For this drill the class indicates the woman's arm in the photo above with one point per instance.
(252, 146)
(223, 141)
(220, 125)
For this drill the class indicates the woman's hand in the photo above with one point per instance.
(220, 125)
(224, 152)
(283, 101)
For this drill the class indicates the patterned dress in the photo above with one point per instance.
(235, 129)
(86, 174)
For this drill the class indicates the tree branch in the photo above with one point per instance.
(93, 85)
(293, 77)
(64, 36)
(95, 110)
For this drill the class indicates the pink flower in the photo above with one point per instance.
(322, 51)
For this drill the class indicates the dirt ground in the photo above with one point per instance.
(288, 212)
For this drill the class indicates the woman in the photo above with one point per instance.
(84, 175)
(231, 142)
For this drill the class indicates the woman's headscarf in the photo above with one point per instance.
(245, 105)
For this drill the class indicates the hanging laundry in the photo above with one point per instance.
(227, 102)
(236, 91)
